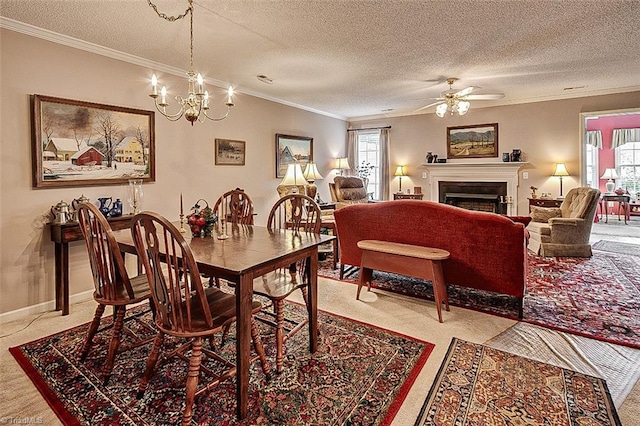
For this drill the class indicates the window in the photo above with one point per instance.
(369, 152)
(628, 165)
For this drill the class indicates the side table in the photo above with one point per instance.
(623, 201)
(61, 236)
(543, 202)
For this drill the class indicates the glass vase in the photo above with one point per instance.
(135, 195)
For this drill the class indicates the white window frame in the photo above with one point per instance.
(635, 165)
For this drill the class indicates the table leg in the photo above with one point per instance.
(312, 291)
(62, 277)
(244, 295)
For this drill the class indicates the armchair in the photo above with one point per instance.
(347, 190)
(564, 231)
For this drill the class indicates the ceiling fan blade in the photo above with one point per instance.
(466, 91)
(428, 106)
(486, 96)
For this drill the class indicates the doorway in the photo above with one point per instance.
(604, 152)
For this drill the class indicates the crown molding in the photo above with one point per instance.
(43, 34)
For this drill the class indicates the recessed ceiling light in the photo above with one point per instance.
(263, 78)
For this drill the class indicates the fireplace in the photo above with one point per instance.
(471, 177)
(481, 196)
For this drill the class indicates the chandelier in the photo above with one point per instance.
(195, 105)
(453, 104)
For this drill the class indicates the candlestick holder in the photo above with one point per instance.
(223, 234)
(182, 230)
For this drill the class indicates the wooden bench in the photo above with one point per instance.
(405, 259)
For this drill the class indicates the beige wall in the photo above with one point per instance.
(546, 132)
(184, 156)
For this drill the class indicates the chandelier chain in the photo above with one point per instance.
(171, 18)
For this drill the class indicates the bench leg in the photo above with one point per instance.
(366, 274)
(439, 287)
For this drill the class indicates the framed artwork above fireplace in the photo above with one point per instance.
(474, 141)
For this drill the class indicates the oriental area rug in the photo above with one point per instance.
(597, 297)
(479, 385)
(360, 375)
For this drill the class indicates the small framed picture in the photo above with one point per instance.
(229, 152)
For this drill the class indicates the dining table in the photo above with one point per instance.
(248, 252)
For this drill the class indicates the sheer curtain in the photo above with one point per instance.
(385, 136)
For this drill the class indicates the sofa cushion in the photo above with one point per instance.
(543, 214)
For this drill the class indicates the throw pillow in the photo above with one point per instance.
(543, 214)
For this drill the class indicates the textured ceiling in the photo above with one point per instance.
(357, 59)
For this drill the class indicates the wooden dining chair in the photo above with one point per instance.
(299, 213)
(113, 286)
(184, 308)
(235, 207)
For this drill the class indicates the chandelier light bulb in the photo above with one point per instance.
(163, 98)
(200, 84)
(154, 85)
(229, 102)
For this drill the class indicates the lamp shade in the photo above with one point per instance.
(311, 172)
(609, 174)
(293, 176)
(342, 163)
(399, 171)
(561, 170)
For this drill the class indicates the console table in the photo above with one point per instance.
(62, 235)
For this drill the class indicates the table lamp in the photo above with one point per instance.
(293, 178)
(400, 173)
(609, 174)
(561, 170)
(311, 174)
(342, 164)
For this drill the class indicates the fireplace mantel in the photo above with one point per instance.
(475, 172)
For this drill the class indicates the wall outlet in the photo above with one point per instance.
(525, 175)
(424, 175)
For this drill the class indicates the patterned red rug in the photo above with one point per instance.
(359, 375)
(597, 297)
(478, 385)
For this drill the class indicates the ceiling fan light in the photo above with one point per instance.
(441, 110)
(463, 107)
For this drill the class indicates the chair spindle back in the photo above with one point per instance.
(172, 272)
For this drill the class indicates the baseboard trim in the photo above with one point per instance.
(22, 313)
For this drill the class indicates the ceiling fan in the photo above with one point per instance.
(458, 100)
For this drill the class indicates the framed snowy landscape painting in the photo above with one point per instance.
(292, 149)
(77, 143)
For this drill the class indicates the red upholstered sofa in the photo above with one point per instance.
(488, 251)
